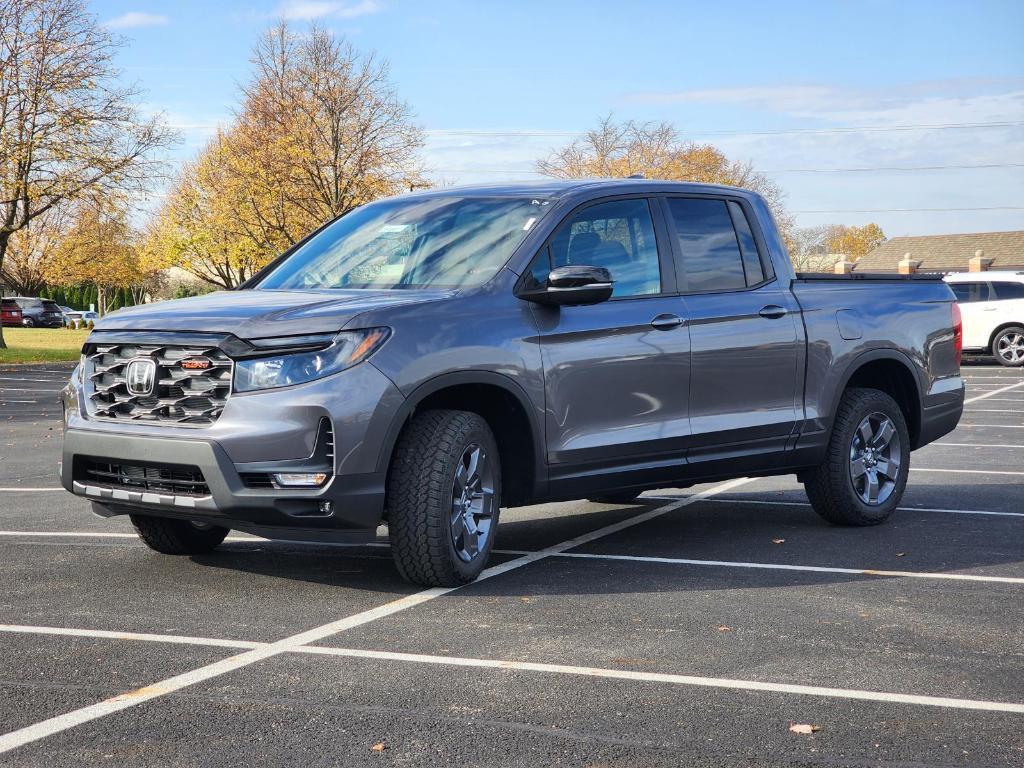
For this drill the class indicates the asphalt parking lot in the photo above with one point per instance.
(692, 629)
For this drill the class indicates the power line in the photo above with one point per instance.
(860, 169)
(917, 210)
(769, 132)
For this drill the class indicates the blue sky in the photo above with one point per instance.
(789, 86)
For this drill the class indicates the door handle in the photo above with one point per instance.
(667, 322)
(773, 312)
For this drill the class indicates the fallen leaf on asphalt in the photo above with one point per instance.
(777, 541)
(804, 728)
(378, 747)
(900, 554)
(724, 628)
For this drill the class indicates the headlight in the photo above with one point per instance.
(348, 348)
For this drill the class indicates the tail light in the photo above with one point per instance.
(958, 332)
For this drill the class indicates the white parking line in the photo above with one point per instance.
(27, 389)
(996, 426)
(542, 668)
(993, 393)
(787, 567)
(40, 730)
(21, 379)
(969, 471)
(656, 677)
(766, 502)
(29, 490)
(975, 444)
(1008, 411)
(144, 636)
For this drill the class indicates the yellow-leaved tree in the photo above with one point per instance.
(852, 241)
(319, 132)
(99, 247)
(657, 151)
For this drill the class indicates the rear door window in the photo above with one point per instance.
(969, 293)
(716, 254)
(1007, 291)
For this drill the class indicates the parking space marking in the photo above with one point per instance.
(993, 393)
(29, 490)
(70, 534)
(143, 636)
(656, 677)
(539, 667)
(766, 502)
(970, 471)
(993, 426)
(787, 567)
(59, 723)
(976, 445)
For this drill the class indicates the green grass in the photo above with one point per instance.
(41, 345)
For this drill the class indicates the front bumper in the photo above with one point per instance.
(263, 433)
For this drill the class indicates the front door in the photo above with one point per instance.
(616, 374)
(747, 347)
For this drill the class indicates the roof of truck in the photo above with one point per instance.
(559, 187)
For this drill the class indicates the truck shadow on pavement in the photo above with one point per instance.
(736, 533)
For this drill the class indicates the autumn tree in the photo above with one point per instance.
(100, 247)
(67, 127)
(200, 228)
(852, 241)
(320, 131)
(31, 250)
(657, 151)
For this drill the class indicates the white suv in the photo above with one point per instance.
(992, 307)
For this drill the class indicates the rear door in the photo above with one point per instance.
(616, 374)
(977, 310)
(746, 346)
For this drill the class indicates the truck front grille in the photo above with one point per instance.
(179, 480)
(190, 387)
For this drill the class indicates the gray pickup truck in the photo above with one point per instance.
(428, 358)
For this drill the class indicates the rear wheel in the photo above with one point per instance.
(1008, 346)
(28, 322)
(862, 478)
(178, 537)
(444, 491)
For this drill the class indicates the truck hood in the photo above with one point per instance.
(255, 314)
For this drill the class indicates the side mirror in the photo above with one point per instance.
(572, 285)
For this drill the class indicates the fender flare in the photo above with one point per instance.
(870, 356)
(460, 378)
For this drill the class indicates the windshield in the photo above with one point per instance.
(429, 242)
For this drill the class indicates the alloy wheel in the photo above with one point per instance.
(1010, 347)
(875, 457)
(472, 503)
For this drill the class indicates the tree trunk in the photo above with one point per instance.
(4, 238)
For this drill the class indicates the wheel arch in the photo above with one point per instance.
(1000, 328)
(506, 408)
(892, 372)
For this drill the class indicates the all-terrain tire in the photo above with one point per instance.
(830, 487)
(177, 537)
(420, 496)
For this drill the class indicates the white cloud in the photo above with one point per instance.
(136, 19)
(307, 10)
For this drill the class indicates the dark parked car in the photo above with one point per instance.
(41, 313)
(10, 312)
(429, 358)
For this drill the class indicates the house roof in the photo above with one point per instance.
(945, 253)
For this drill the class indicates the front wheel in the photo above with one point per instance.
(862, 478)
(443, 497)
(28, 322)
(1008, 347)
(178, 537)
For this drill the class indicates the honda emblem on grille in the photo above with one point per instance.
(141, 376)
(196, 364)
